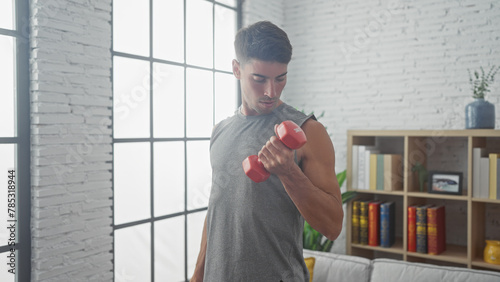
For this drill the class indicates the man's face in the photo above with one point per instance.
(261, 85)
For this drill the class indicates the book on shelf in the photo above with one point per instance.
(374, 223)
(373, 171)
(387, 224)
(363, 166)
(477, 154)
(393, 172)
(355, 222)
(436, 230)
(360, 166)
(368, 152)
(421, 219)
(363, 222)
(385, 172)
(380, 172)
(493, 183)
(412, 229)
(355, 159)
(484, 178)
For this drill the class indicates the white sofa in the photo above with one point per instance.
(331, 267)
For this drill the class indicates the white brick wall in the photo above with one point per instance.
(373, 65)
(71, 140)
(390, 64)
(258, 10)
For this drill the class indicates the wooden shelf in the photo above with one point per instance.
(436, 196)
(453, 253)
(397, 248)
(479, 200)
(469, 221)
(375, 192)
(427, 133)
(482, 264)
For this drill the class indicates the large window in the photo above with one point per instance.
(15, 241)
(172, 82)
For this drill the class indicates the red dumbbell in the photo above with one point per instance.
(290, 134)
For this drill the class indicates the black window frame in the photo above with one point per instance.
(151, 140)
(22, 141)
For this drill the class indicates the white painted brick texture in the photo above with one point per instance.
(71, 140)
(389, 64)
(258, 10)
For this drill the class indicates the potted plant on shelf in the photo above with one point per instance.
(480, 113)
(313, 240)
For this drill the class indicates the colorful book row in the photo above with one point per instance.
(426, 229)
(374, 171)
(373, 223)
(485, 174)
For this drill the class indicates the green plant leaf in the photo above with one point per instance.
(327, 246)
(481, 83)
(341, 176)
(347, 196)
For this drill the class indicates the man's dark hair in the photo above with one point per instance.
(263, 41)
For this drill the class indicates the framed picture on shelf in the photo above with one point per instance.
(443, 182)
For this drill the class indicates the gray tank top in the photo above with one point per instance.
(254, 230)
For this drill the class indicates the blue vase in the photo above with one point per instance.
(480, 114)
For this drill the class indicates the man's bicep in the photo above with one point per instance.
(318, 161)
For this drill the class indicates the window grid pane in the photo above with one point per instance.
(7, 153)
(5, 275)
(7, 81)
(194, 229)
(131, 26)
(199, 174)
(131, 89)
(15, 151)
(199, 33)
(168, 97)
(199, 97)
(225, 100)
(171, 118)
(133, 253)
(231, 3)
(169, 249)
(225, 30)
(169, 178)
(6, 15)
(132, 184)
(168, 27)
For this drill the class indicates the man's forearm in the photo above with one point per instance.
(320, 209)
(200, 263)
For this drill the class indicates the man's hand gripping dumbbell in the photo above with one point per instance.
(290, 134)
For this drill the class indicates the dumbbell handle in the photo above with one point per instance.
(254, 169)
(290, 134)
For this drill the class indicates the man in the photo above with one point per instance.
(253, 231)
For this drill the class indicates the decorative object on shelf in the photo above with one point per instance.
(441, 182)
(312, 239)
(470, 220)
(422, 174)
(480, 113)
(492, 252)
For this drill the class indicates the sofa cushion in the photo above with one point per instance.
(388, 270)
(334, 267)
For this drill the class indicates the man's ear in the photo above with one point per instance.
(236, 68)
